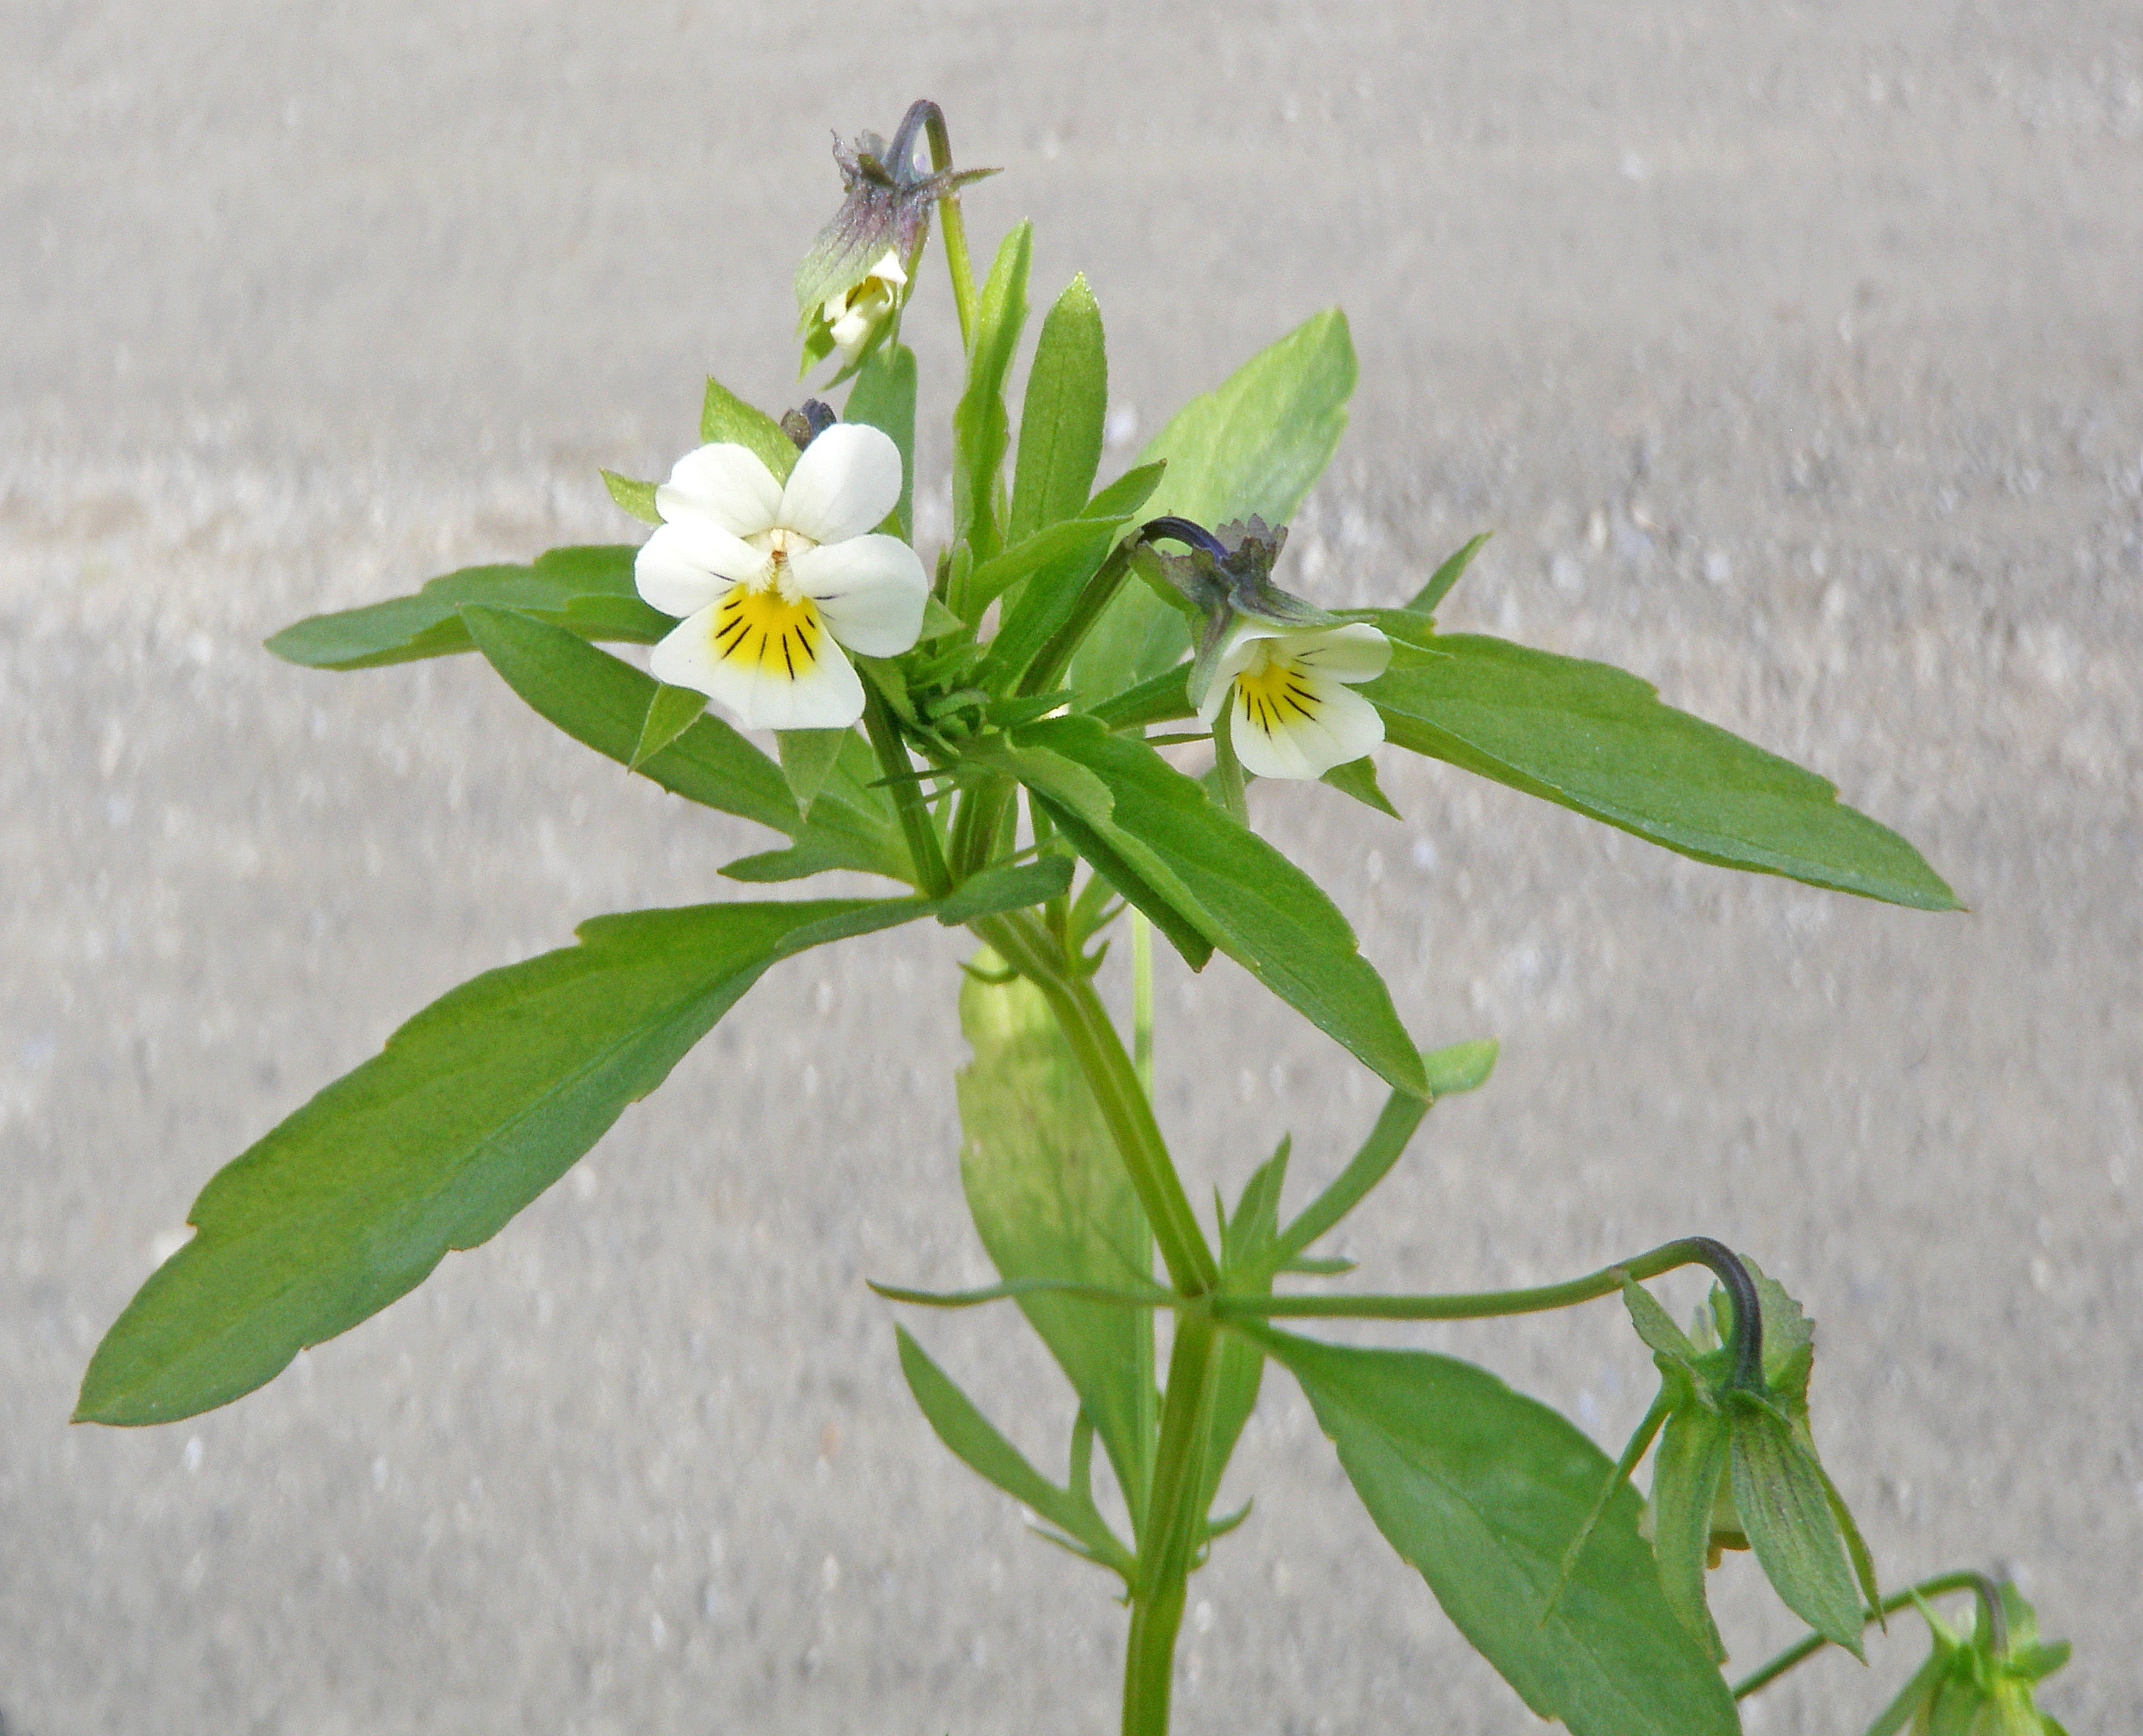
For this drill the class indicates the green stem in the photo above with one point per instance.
(916, 825)
(1990, 1600)
(1023, 943)
(1056, 651)
(1475, 1304)
(953, 227)
(1170, 1545)
(1142, 1001)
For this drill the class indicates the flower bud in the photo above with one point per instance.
(1737, 1467)
(1981, 1683)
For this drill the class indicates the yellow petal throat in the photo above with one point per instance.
(761, 627)
(1273, 695)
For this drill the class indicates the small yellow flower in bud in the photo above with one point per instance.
(854, 314)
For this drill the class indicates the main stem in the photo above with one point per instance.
(1175, 1519)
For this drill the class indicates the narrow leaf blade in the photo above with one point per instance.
(587, 591)
(1060, 425)
(1599, 740)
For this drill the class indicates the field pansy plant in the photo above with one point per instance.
(1032, 729)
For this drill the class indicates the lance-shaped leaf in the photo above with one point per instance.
(588, 592)
(1254, 445)
(979, 1444)
(1207, 882)
(1482, 1490)
(1051, 1199)
(1060, 426)
(604, 703)
(726, 418)
(982, 430)
(474, 1107)
(1599, 740)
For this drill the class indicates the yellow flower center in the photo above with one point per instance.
(770, 624)
(1271, 691)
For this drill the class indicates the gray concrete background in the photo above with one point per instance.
(1795, 352)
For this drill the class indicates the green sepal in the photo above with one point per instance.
(808, 759)
(1424, 601)
(727, 418)
(1358, 778)
(637, 497)
(587, 591)
(1689, 1471)
(671, 711)
(1783, 1507)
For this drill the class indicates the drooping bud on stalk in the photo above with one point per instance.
(851, 285)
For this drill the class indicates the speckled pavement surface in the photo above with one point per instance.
(1794, 353)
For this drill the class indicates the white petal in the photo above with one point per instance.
(673, 571)
(1231, 663)
(870, 589)
(1345, 728)
(829, 695)
(845, 483)
(728, 483)
(1354, 652)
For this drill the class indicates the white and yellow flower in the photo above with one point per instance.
(773, 581)
(852, 316)
(1291, 711)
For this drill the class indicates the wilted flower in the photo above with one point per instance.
(773, 581)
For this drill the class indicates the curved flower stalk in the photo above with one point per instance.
(1291, 711)
(773, 581)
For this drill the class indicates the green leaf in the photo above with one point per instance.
(1052, 1199)
(1358, 778)
(1441, 581)
(1162, 699)
(637, 497)
(1254, 445)
(1784, 1508)
(1688, 1472)
(997, 890)
(671, 711)
(603, 703)
(1048, 549)
(808, 759)
(1164, 846)
(1246, 1265)
(1597, 739)
(981, 428)
(977, 1443)
(589, 592)
(1127, 493)
(1482, 1491)
(883, 396)
(1387, 1140)
(473, 1108)
(1060, 425)
(726, 417)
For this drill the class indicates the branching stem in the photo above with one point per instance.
(1990, 1600)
